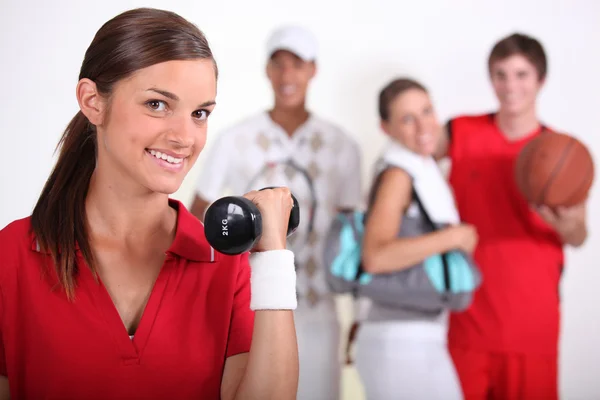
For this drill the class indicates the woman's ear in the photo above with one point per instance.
(90, 102)
(385, 127)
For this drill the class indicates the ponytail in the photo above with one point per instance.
(58, 221)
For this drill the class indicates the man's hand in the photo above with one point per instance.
(569, 222)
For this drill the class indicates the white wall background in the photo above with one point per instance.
(363, 45)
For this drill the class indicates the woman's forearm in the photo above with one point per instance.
(272, 369)
(403, 253)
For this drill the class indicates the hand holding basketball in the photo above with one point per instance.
(564, 219)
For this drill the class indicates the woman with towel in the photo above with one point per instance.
(401, 353)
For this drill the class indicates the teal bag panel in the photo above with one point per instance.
(344, 256)
(461, 274)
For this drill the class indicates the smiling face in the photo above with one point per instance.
(155, 122)
(413, 122)
(516, 83)
(289, 76)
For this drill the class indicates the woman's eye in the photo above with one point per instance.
(407, 119)
(201, 114)
(157, 105)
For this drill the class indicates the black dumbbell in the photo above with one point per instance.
(233, 224)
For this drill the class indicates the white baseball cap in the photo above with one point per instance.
(294, 39)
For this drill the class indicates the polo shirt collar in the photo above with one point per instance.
(190, 242)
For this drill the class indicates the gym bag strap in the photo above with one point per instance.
(434, 227)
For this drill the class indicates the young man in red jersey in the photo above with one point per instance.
(505, 346)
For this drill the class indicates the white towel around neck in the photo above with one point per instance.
(428, 181)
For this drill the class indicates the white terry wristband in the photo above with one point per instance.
(273, 280)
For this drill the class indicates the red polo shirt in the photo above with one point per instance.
(521, 258)
(198, 314)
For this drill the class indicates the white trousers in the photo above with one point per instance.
(405, 360)
(318, 334)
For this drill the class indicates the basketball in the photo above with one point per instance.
(555, 170)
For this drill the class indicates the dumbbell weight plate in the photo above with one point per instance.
(232, 225)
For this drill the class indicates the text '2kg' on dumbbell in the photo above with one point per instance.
(233, 224)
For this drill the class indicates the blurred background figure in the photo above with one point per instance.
(292, 146)
(506, 345)
(401, 350)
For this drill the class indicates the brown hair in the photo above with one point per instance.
(131, 41)
(393, 90)
(524, 45)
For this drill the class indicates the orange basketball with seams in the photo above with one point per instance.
(554, 169)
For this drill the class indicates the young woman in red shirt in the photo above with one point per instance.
(110, 289)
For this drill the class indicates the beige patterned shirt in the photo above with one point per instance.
(321, 165)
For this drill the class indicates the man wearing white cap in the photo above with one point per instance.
(291, 146)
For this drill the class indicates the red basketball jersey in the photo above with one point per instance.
(521, 258)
